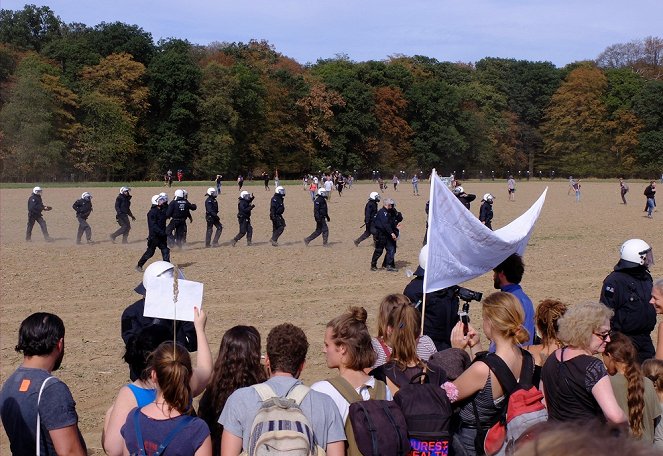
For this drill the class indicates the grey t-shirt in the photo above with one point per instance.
(242, 405)
(18, 409)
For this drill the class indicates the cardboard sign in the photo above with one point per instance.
(160, 303)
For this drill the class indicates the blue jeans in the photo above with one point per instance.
(650, 206)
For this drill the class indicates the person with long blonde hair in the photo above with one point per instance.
(634, 392)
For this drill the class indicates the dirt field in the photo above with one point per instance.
(573, 248)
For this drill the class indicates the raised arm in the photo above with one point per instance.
(203, 370)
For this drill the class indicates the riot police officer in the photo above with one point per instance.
(276, 210)
(370, 210)
(386, 236)
(123, 212)
(465, 198)
(244, 208)
(35, 208)
(486, 210)
(212, 218)
(157, 236)
(83, 208)
(178, 211)
(321, 217)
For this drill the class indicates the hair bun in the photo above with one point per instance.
(359, 313)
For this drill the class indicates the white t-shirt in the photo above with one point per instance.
(329, 185)
(344, 406)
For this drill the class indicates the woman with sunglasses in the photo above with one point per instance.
(576, 384)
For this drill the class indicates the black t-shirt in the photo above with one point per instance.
(568, 387)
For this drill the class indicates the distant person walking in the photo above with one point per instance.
(511, 188)
(35, 208)
(576, 188)
(623, 189)
(240, 182)
(650, 194)
(395, 181)
(415, 185)
(168, 178)
(180, 175)
(265, 178)
(218, 180)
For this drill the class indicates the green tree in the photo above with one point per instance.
(30, 28)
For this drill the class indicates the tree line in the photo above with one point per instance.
(108, 103)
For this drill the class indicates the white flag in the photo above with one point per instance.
(460, 247)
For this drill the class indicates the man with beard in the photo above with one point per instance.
(34, 405)
(506, 277)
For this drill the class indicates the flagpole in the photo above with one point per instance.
(431, 206)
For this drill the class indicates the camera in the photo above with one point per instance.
(467, 295)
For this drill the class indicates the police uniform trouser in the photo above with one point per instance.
(383, 242)
(213, 221)
(320, 228)
(178, 226)
(83, 227)
(365, 235)
(154, 242)
(125, 227)
(244, 228)
(31, 222)
(278, 225)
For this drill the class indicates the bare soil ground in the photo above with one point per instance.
(574, 246)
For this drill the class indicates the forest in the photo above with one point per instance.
(107, 103)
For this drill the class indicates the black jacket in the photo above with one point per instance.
(627, 291)
(466, 199)
(277, 207)
(650, 192)
(83, 208)
(385, 223)
(156, 221)
(123, 205)
(486, 212)
(320, 209)
(370, 210)
(244, 208)
(212, 207)
(179, 208)
(35, 205)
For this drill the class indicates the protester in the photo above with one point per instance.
(477, 390)
(635, 394)
(623, 189)
(575, 383)
(170, 413)
(657, 301)
(547, 316)
(511, 188)
(35, 406)
(237, 366)
(507, 277)
(650, 194)
(653, 370)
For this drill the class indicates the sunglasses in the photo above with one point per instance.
(604, 336)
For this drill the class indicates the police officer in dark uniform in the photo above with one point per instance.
(157, 237)
(321, 217)
(35, 208)
(486, 210)
(370, 210)
(123, 212)
(276, 210)
(627, 291)
(385, 239)
(83, 208)
(244, 208)
(396, 219)
(212, 218)
(178, 211)
(465, 198)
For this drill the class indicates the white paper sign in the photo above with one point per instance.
(159, 299)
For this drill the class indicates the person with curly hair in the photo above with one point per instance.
(546, 318)
(238, 365)
(634, 392)
(575, 383)
(653, 370)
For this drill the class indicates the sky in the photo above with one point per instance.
(558, 31)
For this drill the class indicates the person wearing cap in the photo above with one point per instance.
(486, 210)
(123, 212)
(212, 218)
(35, 208)
(276, 210)
(321, 216)
(370, 211)
(385, 238)
(157, 237)
(133, 321)
(83, 208)
(627, 291)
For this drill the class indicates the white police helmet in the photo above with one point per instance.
(125, 189)
(179, 193)
(155, 200)
(158, 269)
(244, 194)
(375, 196)
(488, 197)
(211, 191)
(86, 196)
(458, 190)
(185, 193)
(161, 199)
(637, 251)
(36, 190)
(322, 192)
(279, 190)
(164, 194)
(423, 256)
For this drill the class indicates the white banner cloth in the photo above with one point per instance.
(460, 247)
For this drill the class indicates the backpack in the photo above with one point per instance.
(523, 409)
(375, 427)
(428, 413)
(280, 427)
